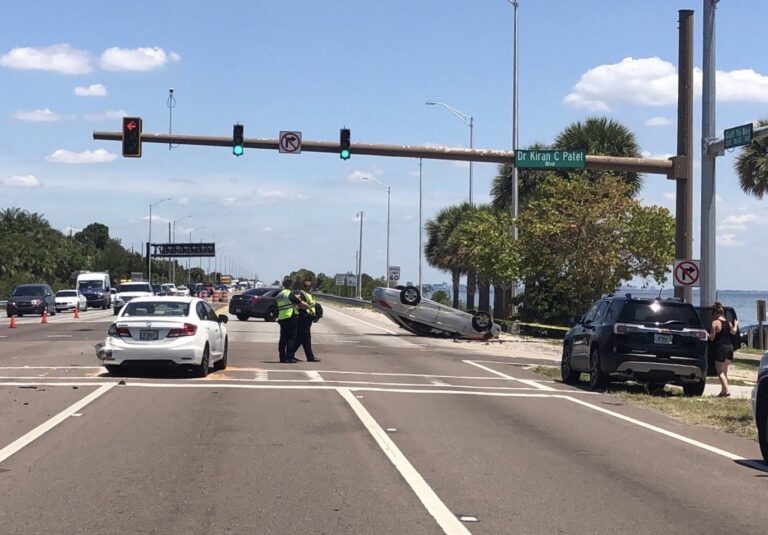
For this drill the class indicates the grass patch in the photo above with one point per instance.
(751, 350)
(729, 415)
(747, 365)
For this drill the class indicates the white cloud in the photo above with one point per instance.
(106, 115)
(93, 90)
(728, 240)
(649, 156)
(670, 195)
(229, 200)
(57, 58)
(21, 181)
(653, 82)
(40, 116)
(658, 121)
(739, 222)
(266, 229)
(96, 156)
(183, 200)
(136, 59)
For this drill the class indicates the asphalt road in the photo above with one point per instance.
(390, 433)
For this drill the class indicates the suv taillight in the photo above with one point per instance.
(254, 299)
(621, 328)
(187, 330)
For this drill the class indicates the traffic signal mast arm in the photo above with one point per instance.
(637, 165)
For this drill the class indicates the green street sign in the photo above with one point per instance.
(738, 136)
(550, 159)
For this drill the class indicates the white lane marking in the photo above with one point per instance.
(314, 376)
(384, 374)
(438, 382)
(670, 434)
(43, 428)
(262, 375)
(365, 322)
(58, 336)
(52, 368)
(439, 511)
(528, 382)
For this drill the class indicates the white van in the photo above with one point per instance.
(96, 288)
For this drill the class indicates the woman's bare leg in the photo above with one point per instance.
(722, 369)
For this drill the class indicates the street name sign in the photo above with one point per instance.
(550, 159)
(738, 136)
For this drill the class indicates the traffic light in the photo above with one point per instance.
(132, 137)
(237, 140)
(344, 151)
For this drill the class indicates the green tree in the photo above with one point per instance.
(441, 297)
(752, 165)
(437, 250)
(606, 137)
(95, 235)
(582, 238)
(527, 183)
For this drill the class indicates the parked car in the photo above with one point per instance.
(405, 306)
(156, 289)
(70, 300)
(131, 290)
(652, 341)
(750, 333)
(31, 299)
(256, 303)
(168, 331)
(760, 405)
(705, 315)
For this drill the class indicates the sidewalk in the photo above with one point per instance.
(737, 392)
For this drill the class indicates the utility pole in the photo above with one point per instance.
(683, 172)
(708, 185)
(360, 260)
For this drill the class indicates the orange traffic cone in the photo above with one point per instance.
(45, 317)
(77, 311)
(13, 322)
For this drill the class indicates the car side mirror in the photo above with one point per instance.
(223, 318)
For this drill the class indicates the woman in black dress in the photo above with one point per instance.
(720, 334)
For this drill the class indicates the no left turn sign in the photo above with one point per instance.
(290, 142)
(687, 273)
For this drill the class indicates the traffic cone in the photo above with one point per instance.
(45, 317)
(77, 311)
(13, 322)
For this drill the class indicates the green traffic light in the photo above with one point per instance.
(344, 154)
(237, 150)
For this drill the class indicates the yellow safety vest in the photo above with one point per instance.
(285, 308)
(310, 302)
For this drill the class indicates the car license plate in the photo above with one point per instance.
(237, 311)
(662, 339)
(148, 334)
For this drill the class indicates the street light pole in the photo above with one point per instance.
(360, 259)
(149, 246)
(386, 186)
(421, 227)
(515, 123)
(467, 120)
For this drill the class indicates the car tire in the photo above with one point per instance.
(201, 370)
(53, 311)
(243, 317)
(221, 364)
(598, 379)
(694, 389)
(410, 296)
(114, 369)
(270, 314)
(655, 388)
(762, 432)
(568, 374)
(482, 322)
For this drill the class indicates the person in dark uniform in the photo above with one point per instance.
(287, 318)
(720, 333)
(306, 318)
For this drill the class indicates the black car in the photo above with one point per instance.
(655, 341)
(760, 405)
(31, 299)
(705, 315)
(256, 303)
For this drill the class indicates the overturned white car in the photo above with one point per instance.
(404, 306)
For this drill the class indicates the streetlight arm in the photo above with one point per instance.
(467, 119)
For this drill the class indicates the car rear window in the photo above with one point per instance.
(66, 293)
(258, 291)
(160, 309)
(659, 313)
(135, 287)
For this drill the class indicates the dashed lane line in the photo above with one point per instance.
(46, 426)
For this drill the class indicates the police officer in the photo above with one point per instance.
(306, 318)
(287, 303)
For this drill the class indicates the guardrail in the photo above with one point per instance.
(3, 303)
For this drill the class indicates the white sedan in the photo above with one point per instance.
(182, 291)
(405, 306)
(70, 300)
(170, 331)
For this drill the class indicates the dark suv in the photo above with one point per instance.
(31, 299)
(655, 341)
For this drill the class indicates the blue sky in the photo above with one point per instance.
(67, 69)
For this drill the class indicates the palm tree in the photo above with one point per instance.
(527, 181)
(437, 251)
(606, 137)
(752, 166)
